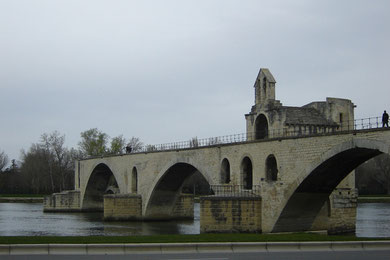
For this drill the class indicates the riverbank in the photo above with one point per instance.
(374, 199)
(21, 200)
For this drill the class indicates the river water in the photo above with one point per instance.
(28, 219)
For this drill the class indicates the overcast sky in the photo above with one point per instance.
(170, 70)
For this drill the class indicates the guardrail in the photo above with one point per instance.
(357, 124)
(298, 131)
(224, 190)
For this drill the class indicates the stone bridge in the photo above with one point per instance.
(302, 181)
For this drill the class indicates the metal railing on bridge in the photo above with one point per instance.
(225, 190)
(293, 131)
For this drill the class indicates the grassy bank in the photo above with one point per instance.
(22, 195)
(21, 198)
(374, 199)
(180, 238)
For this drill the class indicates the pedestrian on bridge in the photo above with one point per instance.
(385, 119)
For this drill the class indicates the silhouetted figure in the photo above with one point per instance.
(128, 149)
(385, 119)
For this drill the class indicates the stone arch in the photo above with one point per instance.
(167, 190)
(101, 181)
(247, 173)
(261, 127)
(271, 168)
(320, 179)
(225, 171)
(134, 180)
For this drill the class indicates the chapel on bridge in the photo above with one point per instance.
(268, 118)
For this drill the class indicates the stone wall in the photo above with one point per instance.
(343, 211)
(184, 207)
(66, 201)
(296, 158)
(122, 207)
(230, 214)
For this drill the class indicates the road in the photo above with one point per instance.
(317, 255)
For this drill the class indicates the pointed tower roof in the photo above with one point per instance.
(264, 72)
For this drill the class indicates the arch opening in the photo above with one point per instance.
(261, 127)
(311, 195)
(102, 181)
(225, 171)
(166, 195)
(247, 173)
(271, 168)
(134, 180)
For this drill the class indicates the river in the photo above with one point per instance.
(28, 219)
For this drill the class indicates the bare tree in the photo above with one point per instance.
(47, 166)
(135, 144)
(3, 161)
(59, 158)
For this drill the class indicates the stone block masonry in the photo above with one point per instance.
(66, 201)
(230, 214)
(122, 207)
(184, 207)
(343, 211)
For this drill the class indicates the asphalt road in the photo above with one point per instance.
(317, 255)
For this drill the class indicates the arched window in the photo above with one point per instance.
(261, 127)
(134, 181)
(225, 171)
(271, 168)
(247, 173)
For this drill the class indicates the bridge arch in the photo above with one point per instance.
(225, 171)
(134, 180)
(314, 186)
(261, 127)
(167, 189)
(101, 181)
(246, 169)
(271, 168)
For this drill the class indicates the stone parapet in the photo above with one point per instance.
(230, 214)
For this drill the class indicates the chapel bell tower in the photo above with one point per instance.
(264, 88)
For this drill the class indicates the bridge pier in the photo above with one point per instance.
(184, 207)
(128, 207)
(120, 207)
(220, 214)
(343, 211)
(66, 201)
(307, 211)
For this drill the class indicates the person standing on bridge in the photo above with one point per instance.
(385, 119)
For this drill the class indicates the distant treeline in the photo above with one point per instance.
(48, 166)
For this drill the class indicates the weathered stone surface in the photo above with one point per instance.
(66, 201)
(230, 214)
(122, 207)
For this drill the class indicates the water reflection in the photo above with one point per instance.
(27, 219)
(373, 220)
